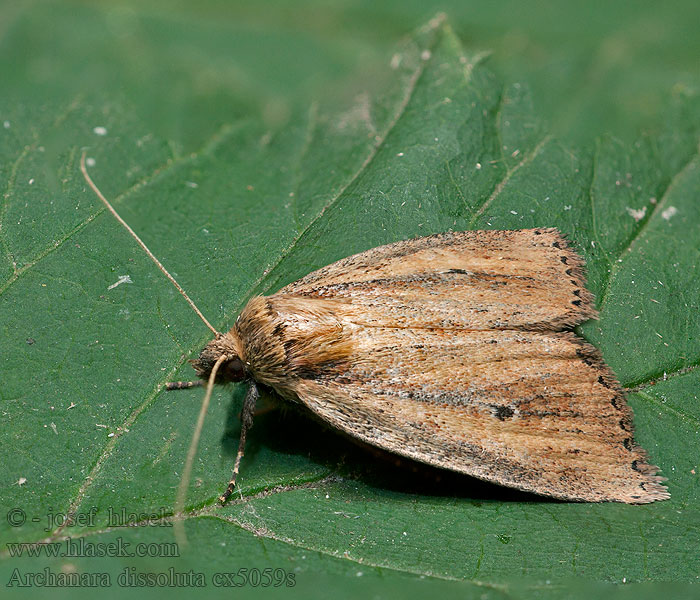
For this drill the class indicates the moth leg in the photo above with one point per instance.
(269, 404)
(183, 385)
(247, 413)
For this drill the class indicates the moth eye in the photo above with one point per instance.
(233, 370)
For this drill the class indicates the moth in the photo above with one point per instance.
(454, 350)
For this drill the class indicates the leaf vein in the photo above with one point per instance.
(110, 445)
(265, 533)
(528, 158)
(665, 376)
(219, 137)
(688, 419)
(415, 77)
(643, 228)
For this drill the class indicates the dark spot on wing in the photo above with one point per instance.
(503, 412)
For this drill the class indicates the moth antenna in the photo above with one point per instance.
(116, 215)
(178, 527)
(247, 412)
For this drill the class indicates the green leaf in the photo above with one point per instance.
(87, 351)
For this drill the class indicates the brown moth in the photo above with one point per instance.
(454, 350)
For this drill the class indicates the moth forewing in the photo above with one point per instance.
(451, 349)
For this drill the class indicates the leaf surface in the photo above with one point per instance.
(92, 330)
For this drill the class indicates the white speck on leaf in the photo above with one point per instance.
(567, 207)
(360, 114)
(122, 279)
(426, 54)
(669, 212)
(100, 131)
(6, 124)
(90, 162)
(637, 215)
(191, 184)
(478, 166)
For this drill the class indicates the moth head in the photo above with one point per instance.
(231, 370)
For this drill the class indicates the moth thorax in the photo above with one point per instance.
(232, 369)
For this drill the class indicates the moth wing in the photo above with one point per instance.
(446, 349)
(537, 411)
(524, 279)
